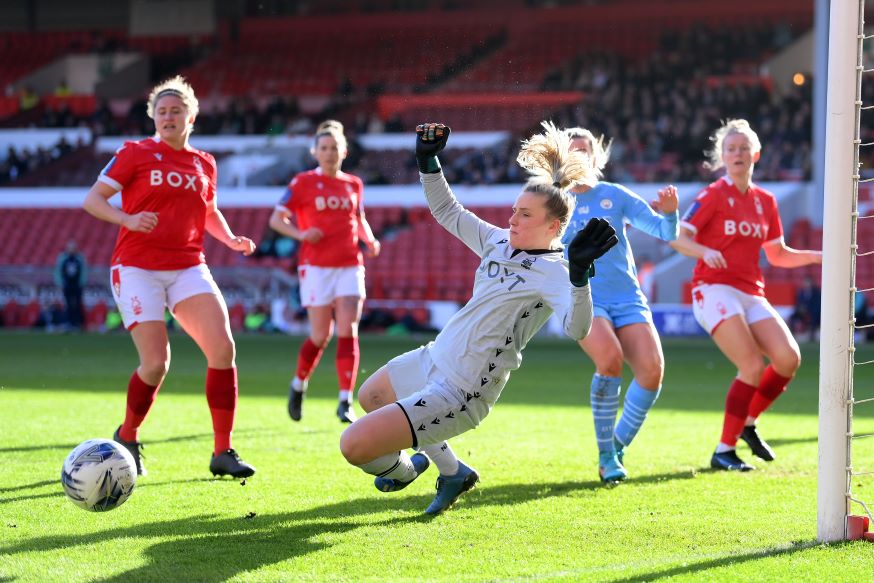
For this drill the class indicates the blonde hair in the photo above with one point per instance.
(178, 87)
(600, 150)
(730, 127)
(333, 128)
(554, 169)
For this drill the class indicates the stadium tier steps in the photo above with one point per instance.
(311, 55)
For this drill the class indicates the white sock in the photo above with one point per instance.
(394, 465)
(443, 457)
(750, 421)
(299, 385)
(346, 395)
(722, 448)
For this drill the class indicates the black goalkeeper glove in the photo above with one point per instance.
(592, 241)
(430, 140)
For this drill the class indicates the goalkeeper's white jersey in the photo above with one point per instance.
(514, 294)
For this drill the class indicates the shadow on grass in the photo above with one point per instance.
(686, 569)
(174, 439)
(28, 486)
(59, 492)
(777, 442)
(207, 547)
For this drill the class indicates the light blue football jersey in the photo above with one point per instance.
(615, 278)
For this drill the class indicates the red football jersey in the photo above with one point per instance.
(737, 224)
(333, 205)
(176, 184)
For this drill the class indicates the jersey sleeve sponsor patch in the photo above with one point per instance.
(690, 212)
(119, 171)
(285, 200)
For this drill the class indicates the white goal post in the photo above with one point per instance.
(843, 111)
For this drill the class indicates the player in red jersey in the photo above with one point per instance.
(168, 202)
(329, 222)
(725, 229)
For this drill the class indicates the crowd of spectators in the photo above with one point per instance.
(657, 111)
(16, 164)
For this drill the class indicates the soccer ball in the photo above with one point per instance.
(99, 475)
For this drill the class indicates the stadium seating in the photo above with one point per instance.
(393, 53)
(504, 65)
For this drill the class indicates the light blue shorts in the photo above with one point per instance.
(624, 314)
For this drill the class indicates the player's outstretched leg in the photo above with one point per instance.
(228, 463)
(449, 488)
(134, 447)
(384, 484)
(759, 446)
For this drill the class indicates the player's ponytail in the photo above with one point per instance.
(554, 169)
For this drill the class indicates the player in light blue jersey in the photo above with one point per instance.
(424, 397)
(622, 329)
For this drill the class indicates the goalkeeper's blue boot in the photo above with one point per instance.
(420, 463)
(449, 488)
(610, 468)
(729, 460)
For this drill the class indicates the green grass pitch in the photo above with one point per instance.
(539, 512)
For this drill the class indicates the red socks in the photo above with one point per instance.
(348, 356)
(308, 358)
(221, 395)
(737, 403)
(771, 386)
(140, 397)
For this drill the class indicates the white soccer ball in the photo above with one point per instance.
(99, 475)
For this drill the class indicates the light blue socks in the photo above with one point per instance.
(605, 403)
(638, 402)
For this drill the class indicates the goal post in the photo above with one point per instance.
(846, 36)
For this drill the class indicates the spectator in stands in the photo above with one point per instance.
(168, 204)
(27, 98)
(622, 329)
(62, 89)
(806, 315)
(448, 386)
(725, 229)
(71, 273)
(329, 221)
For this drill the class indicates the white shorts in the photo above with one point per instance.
(713, 303)
(142, 294)
(436, 409)
(319, 286)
